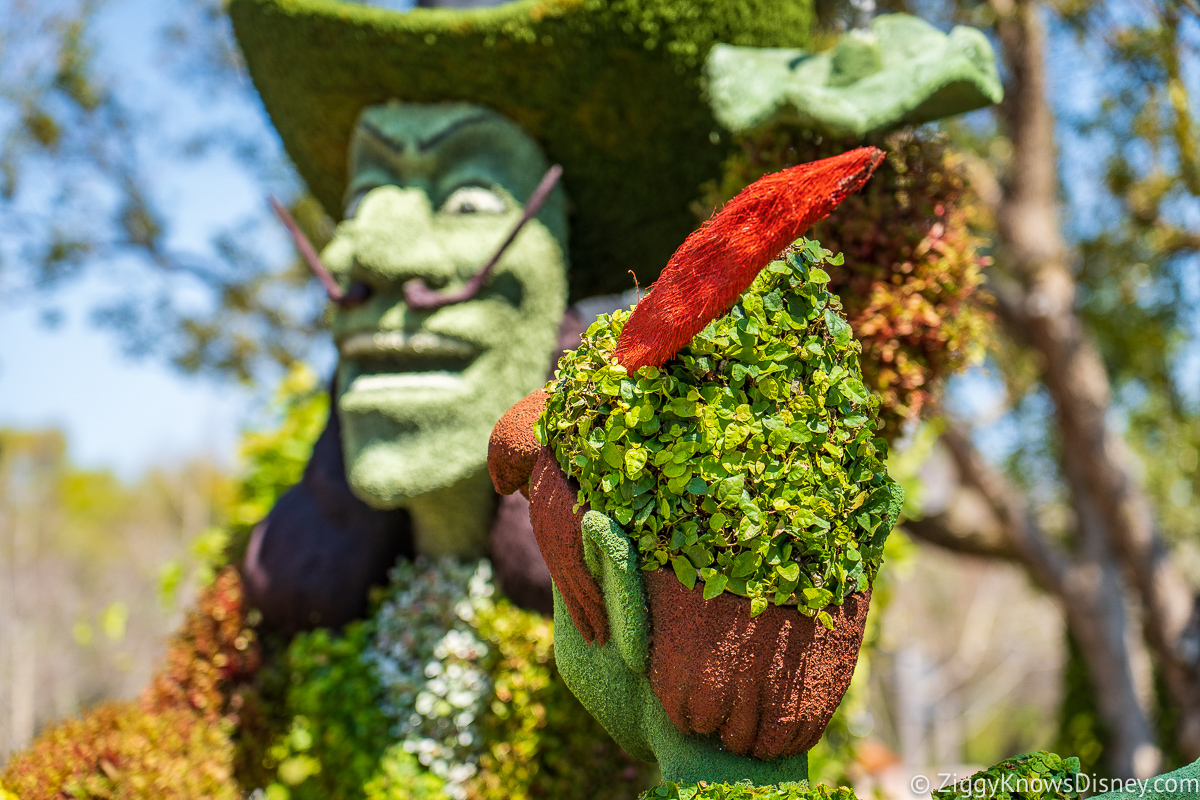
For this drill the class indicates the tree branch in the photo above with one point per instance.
(1109, 503)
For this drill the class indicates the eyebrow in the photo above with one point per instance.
(423, 144)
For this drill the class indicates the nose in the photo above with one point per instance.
(394, 241)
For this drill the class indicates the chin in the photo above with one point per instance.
(389, 472)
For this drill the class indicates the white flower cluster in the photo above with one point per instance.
(430, 663)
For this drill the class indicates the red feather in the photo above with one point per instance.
(719, 260)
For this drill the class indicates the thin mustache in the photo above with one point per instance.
(416, 293)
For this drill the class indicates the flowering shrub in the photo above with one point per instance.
(213, 650)
(446, 692)
(177, 743)
(118, 750)
(911, 289)
(430, 664)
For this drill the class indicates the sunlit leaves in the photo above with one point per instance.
(750, 462)
(911, 297)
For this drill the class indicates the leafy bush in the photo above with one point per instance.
(338, 699)
(213, 651)
(401, 777)
(750, 459)
(333, 731)
(912, 296)
(275, 459)
(1029, 776)
(120, 750)
(744, 791)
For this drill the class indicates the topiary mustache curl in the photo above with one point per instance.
(724, 422)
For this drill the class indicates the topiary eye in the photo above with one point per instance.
(474, 200)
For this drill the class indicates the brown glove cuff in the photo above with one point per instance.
(512, 449)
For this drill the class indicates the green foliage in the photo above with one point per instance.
(749, 461)
(335, 733)
(911, 294)
(401, 777)
(332, 739)
(1029, 776)
(539, 740)
(274, 460)
(745, 791)
(213, 652)
(121, 751)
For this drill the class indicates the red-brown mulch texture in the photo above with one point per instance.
(767, 685)
(552, 499)
(512, 449)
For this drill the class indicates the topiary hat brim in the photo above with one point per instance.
(900, 71)
(611, 90)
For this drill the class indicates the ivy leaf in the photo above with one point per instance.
(684, 571)
(855, 392)
(714, 585)
(838, 328)
(635, 460)
(612, 455)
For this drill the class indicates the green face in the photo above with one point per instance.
(434, 191)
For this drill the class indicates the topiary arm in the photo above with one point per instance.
(613, 560)
(517, 462)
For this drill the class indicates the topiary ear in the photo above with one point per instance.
(613, 559)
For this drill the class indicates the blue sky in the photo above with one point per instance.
(118, 412)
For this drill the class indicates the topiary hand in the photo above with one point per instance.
(517, 462)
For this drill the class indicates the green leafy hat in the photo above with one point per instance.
(611, 89)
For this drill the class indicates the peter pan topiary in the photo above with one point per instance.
(750, 460)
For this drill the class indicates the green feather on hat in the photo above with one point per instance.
(612, 89)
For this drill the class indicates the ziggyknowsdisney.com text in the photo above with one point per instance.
(992, 785)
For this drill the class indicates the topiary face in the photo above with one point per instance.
(750, 460)
(435, 189)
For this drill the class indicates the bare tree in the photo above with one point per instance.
(1115, 558)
